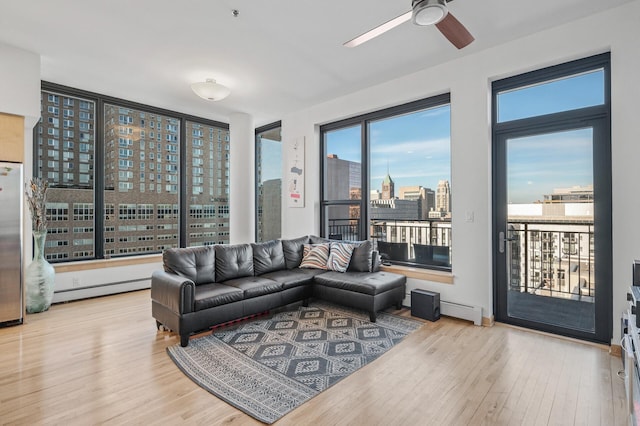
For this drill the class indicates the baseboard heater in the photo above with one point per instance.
(465, 312)
(97, 290)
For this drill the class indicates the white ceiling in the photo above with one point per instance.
(277, 56)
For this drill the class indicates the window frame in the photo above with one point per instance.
(551, 122)
(363, 121)
(98, 162)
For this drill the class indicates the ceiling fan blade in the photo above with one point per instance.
(454, 31)
(380, 29)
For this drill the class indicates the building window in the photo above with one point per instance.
(268, 182)
(136, 203)
(387, 177)
(203, 162)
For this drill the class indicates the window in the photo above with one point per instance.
(82, 212)
(206, 197)
(136, 189)
(74, 189)
(565, 93)
(387, 178)
(268, 182)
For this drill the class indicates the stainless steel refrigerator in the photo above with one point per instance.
(11, 292)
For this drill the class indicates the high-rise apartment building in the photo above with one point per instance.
(140, 193)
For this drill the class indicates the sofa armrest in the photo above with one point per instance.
(173, 291)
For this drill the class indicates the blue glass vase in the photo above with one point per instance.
(40, 277)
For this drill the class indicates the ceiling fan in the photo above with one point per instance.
(423, 13)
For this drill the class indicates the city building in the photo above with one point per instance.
(443, 197)
(343, 183)
(269, 223)
(552, 251)
(388, 191)
(140, 196)
(394, 209)
(426, 197)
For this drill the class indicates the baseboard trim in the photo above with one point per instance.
(615, 350)
(488, 321)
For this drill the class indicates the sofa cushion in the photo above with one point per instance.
(362, 256)
(254, 286)
(339, 256)
(195, 263)
(233, 261)
(267, 257)
(371, 283)
(315, 256)
(293, 277)
(212, 294)
(314, 239)
(293, 251)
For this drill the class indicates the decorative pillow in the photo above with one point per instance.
(315, 256)
(267, 257)
(361, 258)
(340, 256)
(293, 251)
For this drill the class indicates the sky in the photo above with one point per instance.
(415, 148)
(271, 159)
(538, 164)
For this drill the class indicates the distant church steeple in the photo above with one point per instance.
(388, 192)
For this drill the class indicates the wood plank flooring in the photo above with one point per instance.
(101, 361)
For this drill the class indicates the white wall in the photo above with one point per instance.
(468, 79)
(20, 83)
(242, 200)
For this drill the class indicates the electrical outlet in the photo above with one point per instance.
(75, 282)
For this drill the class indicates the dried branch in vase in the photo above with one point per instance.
(37, 200)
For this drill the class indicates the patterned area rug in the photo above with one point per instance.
(268, 366)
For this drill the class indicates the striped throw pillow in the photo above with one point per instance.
(340, 256)
(315, 256)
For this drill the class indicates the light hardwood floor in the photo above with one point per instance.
(101, 361)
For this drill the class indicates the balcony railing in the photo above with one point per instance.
(422, 243)
(552, 259)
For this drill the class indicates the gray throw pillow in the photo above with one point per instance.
(293, 251)
(195, 263)
(233, 261)
(361, 258)
(268, 257)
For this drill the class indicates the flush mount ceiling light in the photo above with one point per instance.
(210, 90)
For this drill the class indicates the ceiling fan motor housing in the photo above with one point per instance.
(428, 12)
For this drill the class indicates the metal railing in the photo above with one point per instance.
(425, 243)
(552, 259)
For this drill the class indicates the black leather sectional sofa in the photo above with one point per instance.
(204, 286)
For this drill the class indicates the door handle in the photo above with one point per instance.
(502, 240)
